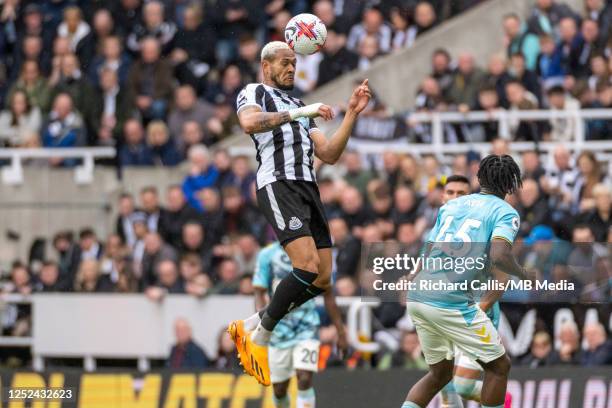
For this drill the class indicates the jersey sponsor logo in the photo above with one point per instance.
(295, 223)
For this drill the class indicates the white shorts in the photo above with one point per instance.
(284, 361)
(441, 330)
(463, 360)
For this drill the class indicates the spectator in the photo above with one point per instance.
(243, 176)
(532, 168)
(403, 36)
(152, 26)
(194, 241)
(155, 251)
(139, 224)
(408, 356)
(73, 27)
(521, 99)
(186, 354)
(372, 26)
(70, 80)
(353, 209)
(168, 281)
(234, 18)
(150, 80)
(563, 129)
(498, 77)
(599, 348)
(533, 208)
(568, 351)
(194, 48)
(33, 84)
(248, 57)
(601, 12)
(128, 13)
(149, 202)
(89, 245)
(368, 52)
(599, 218)
(585, 255)
(197, 283)
(229, 86)
(346, 247)
(202, 174)
(546, 16)
(123, 224)
(21, 122)
(63, 128)
(33, 25)
(69, 256)
(590, 175)
(187, 108)
(134, 151)
(424, 19)
(356, 175)
(49, 279)
(89, 279)
(548, 66)
(528, 78)
(540, 351)
(103, 28)
(116, 109)
(519, 39)
(30, 49)
(112, 58)
(226, 354)
(228, 277)
(569, 43)
(466, 82)
(176, 215)
(441, 69)
(213, 220)
(162, 147)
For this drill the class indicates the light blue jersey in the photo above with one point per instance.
(302, 323)
(460, 242)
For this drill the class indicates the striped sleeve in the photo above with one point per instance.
(248, 97)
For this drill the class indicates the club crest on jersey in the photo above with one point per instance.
(295, 223)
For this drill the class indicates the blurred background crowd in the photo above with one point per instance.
(158, 81)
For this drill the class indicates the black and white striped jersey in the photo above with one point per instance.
(286, 152)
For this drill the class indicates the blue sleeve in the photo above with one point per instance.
(263, 275)
(189, 189)
(506, 225)
(531, 49)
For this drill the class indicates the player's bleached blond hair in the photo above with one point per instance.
(269, 50)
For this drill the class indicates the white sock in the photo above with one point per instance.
(261, 336)
(251, 322)
(306, 398)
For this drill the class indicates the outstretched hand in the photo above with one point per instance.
(360, 98)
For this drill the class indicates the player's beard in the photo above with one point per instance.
(285, 87)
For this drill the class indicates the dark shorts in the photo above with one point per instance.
(294, 210)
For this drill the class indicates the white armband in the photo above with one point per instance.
(308, 111)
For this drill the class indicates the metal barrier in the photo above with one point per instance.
(503, 117)
(83, 174)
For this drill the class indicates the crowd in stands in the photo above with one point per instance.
(96, 73)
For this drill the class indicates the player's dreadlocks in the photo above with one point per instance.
(499, 175)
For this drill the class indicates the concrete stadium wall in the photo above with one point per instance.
(49, 201)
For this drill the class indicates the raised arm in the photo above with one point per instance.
(253, 120)
(330, 150)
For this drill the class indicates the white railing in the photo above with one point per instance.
(83, 174)
(437, 120)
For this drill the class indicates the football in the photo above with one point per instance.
(305, 34)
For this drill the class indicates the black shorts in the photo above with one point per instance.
(294, 210)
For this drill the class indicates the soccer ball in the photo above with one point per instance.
(305, 34)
